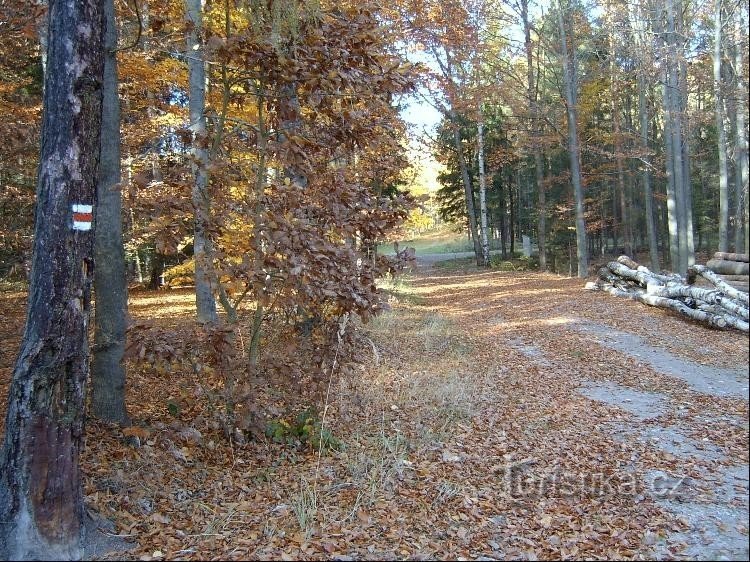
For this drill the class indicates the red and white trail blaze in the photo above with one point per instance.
(82, 216)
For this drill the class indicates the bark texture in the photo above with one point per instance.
(204, 297)
(41, 504)
(742, 197)
(468, 189)
(574, 148)
(719, 283)
(648, 197)
(482, 192)
(728, 267)
(721, 134)
(531, 92)
(731, 256)
(110, 286)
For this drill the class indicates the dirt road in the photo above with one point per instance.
(489, 416)
(606, 410)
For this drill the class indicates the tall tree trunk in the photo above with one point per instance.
(672, 214)
(535, 129)
(503, 216)
(482, 191)
(573, 145)
(43, 30)
(204, 297)
(468, 190)
(512, 213)
(676, 192)
(110, 286)
(676, 136)
(41, 501)
(741, 144)
(625, 224)
(255, 194)
(156, 277)
(641, 30)
(686, 159)
(721, 134)
(648, 198)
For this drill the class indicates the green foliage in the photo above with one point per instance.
(173, 408)
(304, 430)
(521, 263)
(444, 239)
(450, 197)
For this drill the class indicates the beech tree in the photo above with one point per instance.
(741, 175)
(41, 502)
(721, 132)
(574, 147)
(642, 57)
(532, 94)
(110, 286)
(204, 297)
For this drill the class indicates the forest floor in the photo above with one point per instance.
(498, 415)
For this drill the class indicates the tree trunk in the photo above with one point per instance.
(741, 143)
(574, 148)
(675, 137)
(43, 30)
(648, 197)
(468, 190)
(156, 279)
(503, 217)
(204, 297)
(685, 143)
(110, 286)
(41, 502)
(482, 191)
(535, 133)
(721, 134)
(512, 230)
(673, 157)
(625, 224)
(255, 193)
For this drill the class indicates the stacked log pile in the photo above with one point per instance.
(721, 305)
(734, 269)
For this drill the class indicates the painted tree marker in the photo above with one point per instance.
(82, 216)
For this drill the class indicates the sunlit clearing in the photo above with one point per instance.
(168, 304)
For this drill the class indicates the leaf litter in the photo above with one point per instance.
(458, 442)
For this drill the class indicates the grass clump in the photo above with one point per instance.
(305, 430)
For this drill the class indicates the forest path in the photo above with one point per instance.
(491, 415)
(624, 412)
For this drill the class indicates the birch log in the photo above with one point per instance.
(644, 278)
(720, 305)
(672, 304)
(705, 295)
(605, 287)
(663, 277)
(732, 321)
(715, 320)
(724, 287)
(629, 262)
